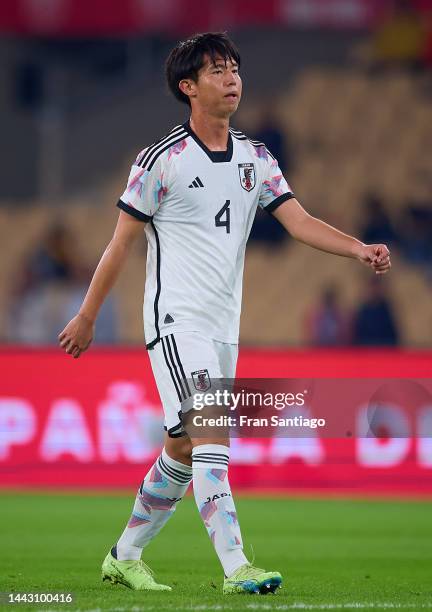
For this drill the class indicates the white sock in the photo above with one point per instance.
(156, 500)
(216, 505)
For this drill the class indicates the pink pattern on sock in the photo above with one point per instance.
(155, 475)
(136, 520)
(207, 510)
(154, 502)
(219, 474)
(232, 517)
(212, 535)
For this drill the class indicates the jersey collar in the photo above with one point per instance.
(215, 156)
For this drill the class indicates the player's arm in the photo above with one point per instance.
(78, 333)
(316, 233)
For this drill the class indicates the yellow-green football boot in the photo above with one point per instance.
(250, 579)
(135, 575)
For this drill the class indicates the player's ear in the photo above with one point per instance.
(188, 87)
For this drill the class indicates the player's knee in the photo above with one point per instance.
(222, 441)
(179, 449)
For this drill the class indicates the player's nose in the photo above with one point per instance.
(229, 80)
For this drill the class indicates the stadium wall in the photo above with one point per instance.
(97, 423)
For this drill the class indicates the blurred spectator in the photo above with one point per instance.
(53, 260)
(416, 234)
(400, 40)
(377, 226)
(328, 324)
(427, 50)
(270, 132)
(50, 290)
(265, 228)
(374, 322)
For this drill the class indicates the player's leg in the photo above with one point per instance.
(210, 460)
(158, 495)
(168, 479)
(193, 364)
(162, 488)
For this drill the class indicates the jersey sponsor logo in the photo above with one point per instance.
(196, 183)
(247, 176)
(201, 380)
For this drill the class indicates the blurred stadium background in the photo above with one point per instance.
(341, 92)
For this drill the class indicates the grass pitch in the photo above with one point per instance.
(333, 554)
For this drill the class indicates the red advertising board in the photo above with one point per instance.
(97, 422)
(111, 17)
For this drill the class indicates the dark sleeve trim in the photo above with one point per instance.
(280, 200)
(133, 211)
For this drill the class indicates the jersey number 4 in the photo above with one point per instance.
(223, 219)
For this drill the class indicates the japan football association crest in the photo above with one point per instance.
(201, 380)
(247, 176)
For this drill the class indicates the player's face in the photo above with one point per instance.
(219, 87)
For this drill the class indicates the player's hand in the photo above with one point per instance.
(77, 336)
(375, 256)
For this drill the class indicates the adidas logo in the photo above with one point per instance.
(168, 319)
(196, 183)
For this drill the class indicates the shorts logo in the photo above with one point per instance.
(247, 176)
(201, 380)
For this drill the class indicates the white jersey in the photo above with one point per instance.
(199, 205)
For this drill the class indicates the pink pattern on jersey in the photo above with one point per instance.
(177, 148)
(136, 185)
(140, 155)
(160, 191)
(261, 152)
(273, 185)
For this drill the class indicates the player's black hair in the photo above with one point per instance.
(187, 58)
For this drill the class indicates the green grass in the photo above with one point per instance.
(331, 553)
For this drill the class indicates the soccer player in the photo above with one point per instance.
(195, 192)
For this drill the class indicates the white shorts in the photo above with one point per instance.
(184, 363)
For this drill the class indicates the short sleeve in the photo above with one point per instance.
(274, 189)
(146, 189)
